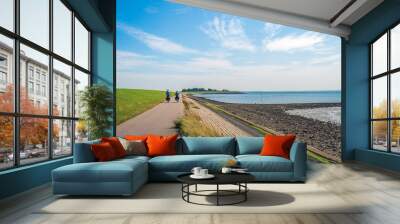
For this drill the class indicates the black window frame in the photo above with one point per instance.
(388, 74)
(16, 114)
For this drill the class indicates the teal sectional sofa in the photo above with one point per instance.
(125, 176)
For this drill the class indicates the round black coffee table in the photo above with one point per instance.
(238, 179)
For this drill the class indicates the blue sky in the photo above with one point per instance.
(164, 45)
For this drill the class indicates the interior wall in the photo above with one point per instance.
(355, 76)
(103, 64)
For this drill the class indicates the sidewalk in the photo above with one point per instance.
(215, 121)
(158, 120)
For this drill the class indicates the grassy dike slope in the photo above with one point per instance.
(131, 102)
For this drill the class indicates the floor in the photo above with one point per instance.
(158, 120)
(379, 189)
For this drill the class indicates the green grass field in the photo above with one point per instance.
(131, 102)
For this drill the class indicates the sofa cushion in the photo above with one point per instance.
(133, 158)
(134, 147)
(136, 137)
(277, 145)
(103, 152)
(112, 171)
(161, 145)
(257, 163)
(249, 145)
(208, 145)
(116, 145)
(185, 163)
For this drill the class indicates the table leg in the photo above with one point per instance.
(188, 190)
(245, 193)
(217, 194)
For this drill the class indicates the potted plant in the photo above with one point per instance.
(97, 103)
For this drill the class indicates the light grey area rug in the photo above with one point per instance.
(166, 198)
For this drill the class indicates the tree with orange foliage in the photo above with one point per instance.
(33, 130)
(6, 122)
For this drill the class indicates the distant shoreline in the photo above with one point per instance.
(214, 92)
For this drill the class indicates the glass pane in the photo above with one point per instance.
(33, 139)
(395, 136)
(379, 135)
(379, 97)
(379, 55)
(62, 138)
(395, 94)
(62, 29)
(34, 92)
(6, 75)
(62, 89)
(81, 45)
(6, 142)
(7, 14)
(81, 82)
(395, 47)
(81, 131)
(35, 21)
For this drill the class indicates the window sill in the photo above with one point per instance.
(30, 166)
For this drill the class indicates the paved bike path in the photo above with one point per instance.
(159, 120)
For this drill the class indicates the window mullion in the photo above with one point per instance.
(50, 81)
(389, 101)
(73, 82)
(16, 85)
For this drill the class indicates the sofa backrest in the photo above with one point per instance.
(206, 145)
(83, 152)
(249, 145)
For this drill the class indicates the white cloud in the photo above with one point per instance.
(127, 60)
(247, 78)
(304, 41)
(155, 42)
(210, 63)
(272, 29)
(229, 33)
(139, 71)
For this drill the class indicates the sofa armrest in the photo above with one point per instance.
(83, 152)
(298, 155)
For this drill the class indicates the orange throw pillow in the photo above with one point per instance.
(116, 145)
(136, 137)
(103, 152)
(161, 145)
(275, 145)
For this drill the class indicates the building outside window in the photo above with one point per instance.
(31, 73)
(44, 77)
(34, 79)
(3, 78)
(30, 87)
(38, 89)
(3, 72)
(43, 90)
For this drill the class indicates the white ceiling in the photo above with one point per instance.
(327, 16)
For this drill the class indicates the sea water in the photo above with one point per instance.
(282, 97)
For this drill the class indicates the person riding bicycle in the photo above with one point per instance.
(177, 96)
(167, 96)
